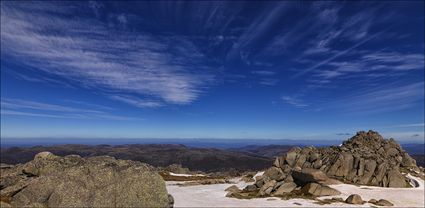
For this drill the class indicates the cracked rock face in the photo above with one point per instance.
(72, 181)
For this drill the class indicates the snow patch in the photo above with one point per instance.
(258, 174)
(215, 196)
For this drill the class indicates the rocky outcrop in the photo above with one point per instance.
(309, 182)
(72, 181)
(366, 159)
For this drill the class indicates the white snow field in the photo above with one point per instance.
(215, 196)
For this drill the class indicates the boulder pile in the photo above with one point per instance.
(365, 159)
(73, 181)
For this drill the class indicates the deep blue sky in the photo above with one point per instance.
(272, 70)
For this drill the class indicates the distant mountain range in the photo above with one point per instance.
(208, 159)
(159, 155)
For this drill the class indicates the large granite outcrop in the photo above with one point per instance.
(365, 159)
(73, 181)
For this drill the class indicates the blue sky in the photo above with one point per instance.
(272, 70)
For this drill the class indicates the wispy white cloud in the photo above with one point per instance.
(88, 52)
(19, 107)
(294, 102)
(372, 64)
(136, 101)
(269, 81)
(45, 115)
(90, 105)
(378, 100)
(25, 104)
(410, 125)
(339, 54)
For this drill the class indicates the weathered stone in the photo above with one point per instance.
(72, 181)
(313, 157)
(392, 152)
(339, 199)
(5, 205)
(328, 191)
(12, 189)
(346, 164)
(285, 188)
(312, 175)
(232, 189)
(307, 165)
(259, 183)
(309, 175)
(381, 171)
(385, 181)
(267, 188)
(372, 201)
(301, 160)
(408, 161)
(361, 167)
(354, 199)
(45, 163)
(317, 164)
(334, 167)
(310, 188)
(351, 175)
(276, 162)
(396, 179)
(274, 173)
(289, 178)
(250, 188)
(316, 189)
(287, 169)
(383, 202)
(290, 158)
(370, 166)
(278, 184)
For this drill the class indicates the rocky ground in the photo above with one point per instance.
(73, 181)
